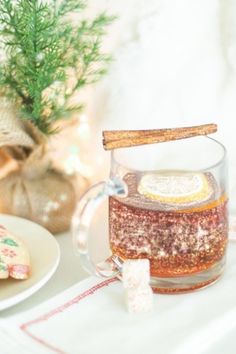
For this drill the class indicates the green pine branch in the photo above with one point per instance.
(43, 49)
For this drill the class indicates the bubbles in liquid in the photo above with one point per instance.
(180, 227)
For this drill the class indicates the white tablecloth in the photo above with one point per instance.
(200, 322)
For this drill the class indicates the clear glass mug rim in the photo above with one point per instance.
(215, 141)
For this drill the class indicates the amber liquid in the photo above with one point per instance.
(177, 241)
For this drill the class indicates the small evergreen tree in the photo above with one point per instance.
(44, 49)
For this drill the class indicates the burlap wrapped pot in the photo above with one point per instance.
(35, 189)
(39, 193)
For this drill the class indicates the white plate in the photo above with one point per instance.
(44, 254)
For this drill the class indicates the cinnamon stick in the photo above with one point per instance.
(115, 139)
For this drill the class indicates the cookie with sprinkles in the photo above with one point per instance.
(14, 256)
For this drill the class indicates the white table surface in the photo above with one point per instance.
(210, 324)
(208, 317)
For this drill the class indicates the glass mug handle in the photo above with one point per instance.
(82, 219)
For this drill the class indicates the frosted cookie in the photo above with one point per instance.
(14, 256)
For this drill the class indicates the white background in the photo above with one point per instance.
(174, 65)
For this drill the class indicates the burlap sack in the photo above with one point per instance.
(35, 190)
(39, 193)
(12, 129)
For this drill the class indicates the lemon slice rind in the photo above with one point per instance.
(175, 188)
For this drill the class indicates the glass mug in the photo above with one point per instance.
(167, 203)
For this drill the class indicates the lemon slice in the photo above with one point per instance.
(175, 187)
